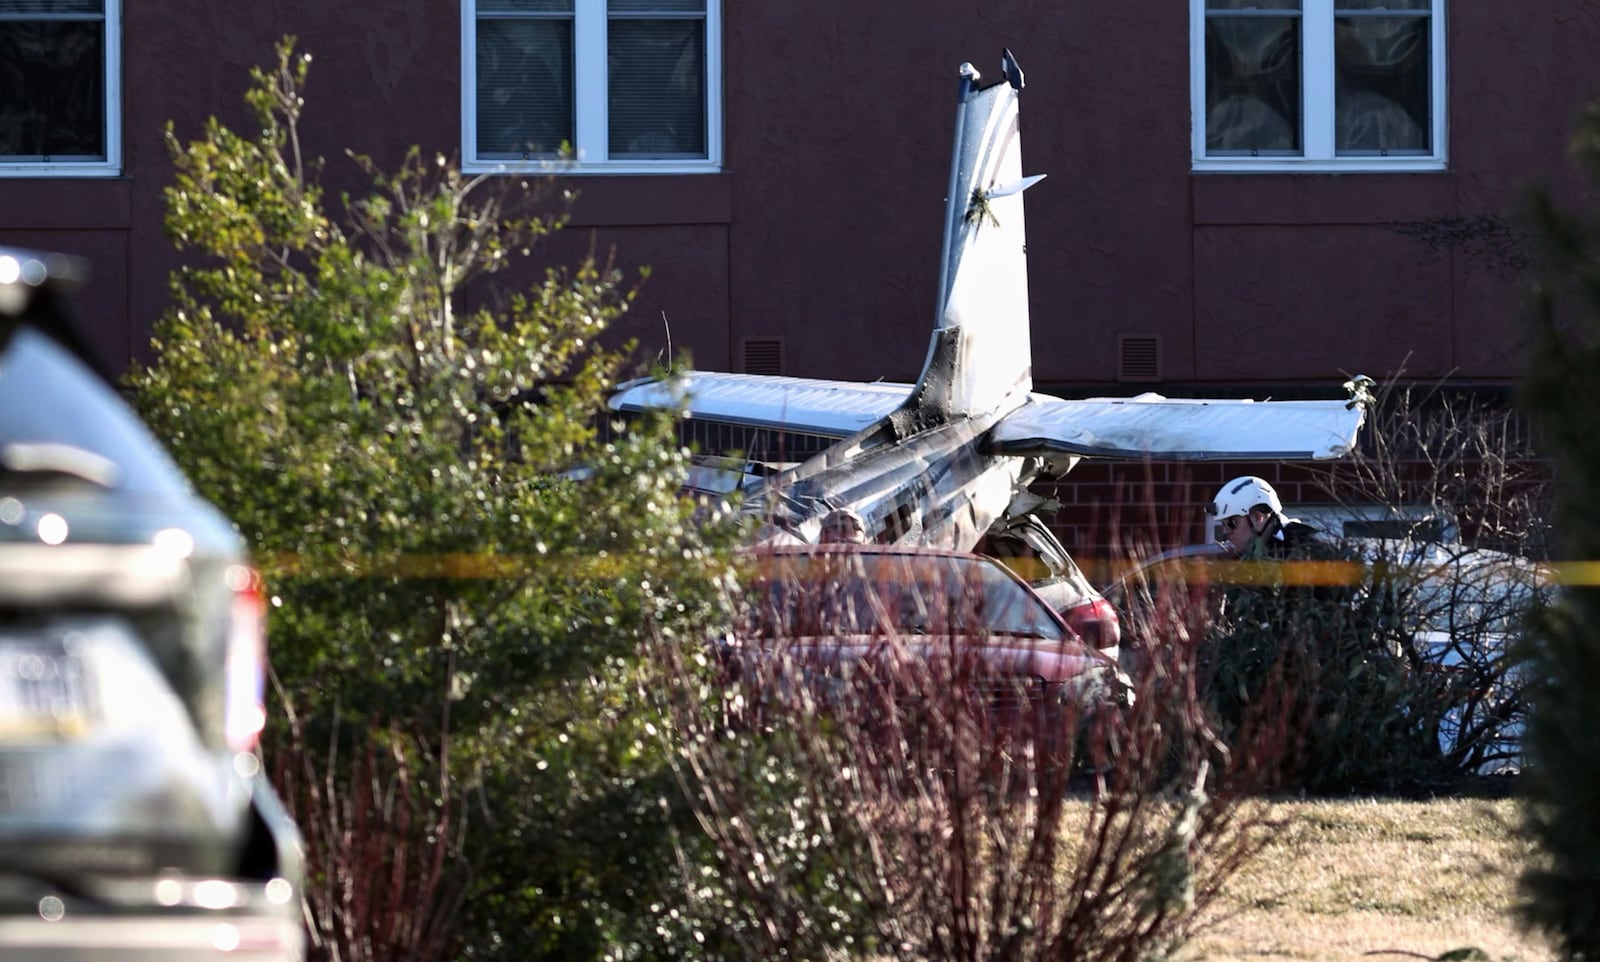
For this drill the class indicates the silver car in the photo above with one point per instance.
(135, 819)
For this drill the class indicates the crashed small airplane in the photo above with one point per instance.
(938, 462)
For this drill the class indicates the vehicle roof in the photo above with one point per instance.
(1377, 520)
(847, 547)
(873, 550)
(63, 418)
(34, 288)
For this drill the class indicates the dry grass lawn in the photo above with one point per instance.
(1366, 879)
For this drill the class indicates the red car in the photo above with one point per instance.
(1028, 547)
(883, 629)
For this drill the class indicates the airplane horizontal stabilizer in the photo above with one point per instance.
(1152, 426)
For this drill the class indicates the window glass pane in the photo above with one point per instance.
(1342, 5)
(1255, 6)
(524, 6)
(657, 93)
(656, 6)
(1381, 101)
(52, 6)
(52, 89)
(1253, 84)
(524, 86)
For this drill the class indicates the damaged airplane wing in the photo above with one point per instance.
(1183, 429)
(835, 409)
(1144, 426)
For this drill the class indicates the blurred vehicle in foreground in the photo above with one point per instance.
(899, 627)
(135, 819)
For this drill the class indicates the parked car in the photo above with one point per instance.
(1371, 520)
(1469, 608)
(1462, 609)
(897, 623)
(1028, 547)
(135, 819)
(1021, 541)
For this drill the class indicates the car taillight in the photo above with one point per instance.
(245, 691)
(1096, 623)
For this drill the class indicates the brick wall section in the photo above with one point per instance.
(1115, 510)
(1112, 511)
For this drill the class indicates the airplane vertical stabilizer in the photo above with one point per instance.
(980, 357)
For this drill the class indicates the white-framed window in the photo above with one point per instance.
(1325, 85)
(60, 88)
(628, 86)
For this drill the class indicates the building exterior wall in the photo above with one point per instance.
(821, 234)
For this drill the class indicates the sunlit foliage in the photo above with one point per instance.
(461, 570)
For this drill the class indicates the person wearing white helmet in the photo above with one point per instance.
(1249, 515)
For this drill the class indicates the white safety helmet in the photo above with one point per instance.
(1238, 496)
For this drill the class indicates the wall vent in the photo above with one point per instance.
(763, 355)
(1140, 357)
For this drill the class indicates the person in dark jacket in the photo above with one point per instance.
(1300, 641)
(1250, 521)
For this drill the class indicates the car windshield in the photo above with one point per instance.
(864, 593)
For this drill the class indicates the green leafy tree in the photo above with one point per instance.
(462, 571)
(1561, 808)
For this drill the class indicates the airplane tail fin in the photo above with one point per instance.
(980, 357)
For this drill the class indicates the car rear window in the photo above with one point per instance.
(806, 595)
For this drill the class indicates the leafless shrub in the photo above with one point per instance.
(1470, 459)
(1462, 505)
(916, 804)
(384, 877)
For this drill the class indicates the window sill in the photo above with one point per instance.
(43, 171)
(547, 168)
(1297, 165)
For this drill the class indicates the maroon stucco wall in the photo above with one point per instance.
(384, 76)
(823, 230)
(838, 142)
